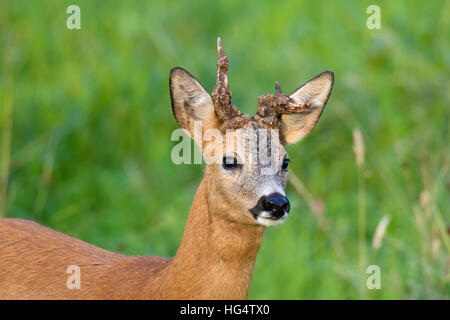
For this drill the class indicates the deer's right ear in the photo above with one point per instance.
(190, 102)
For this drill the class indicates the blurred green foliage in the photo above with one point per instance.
(85, 122)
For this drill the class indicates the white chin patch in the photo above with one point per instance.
(268, 222)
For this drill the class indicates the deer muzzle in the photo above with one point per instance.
(272, 207)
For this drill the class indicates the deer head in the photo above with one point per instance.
(247, 178)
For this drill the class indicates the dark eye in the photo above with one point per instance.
(230, 163)
(285, 164)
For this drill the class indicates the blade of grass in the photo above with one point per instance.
(5, 152)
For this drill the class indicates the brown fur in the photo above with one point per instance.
(215, 260)
(216, 256)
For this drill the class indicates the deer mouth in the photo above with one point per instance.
(266, 220)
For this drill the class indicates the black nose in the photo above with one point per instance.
(275, 203)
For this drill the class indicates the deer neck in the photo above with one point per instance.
(216, 257)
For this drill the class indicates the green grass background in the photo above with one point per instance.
(85, 125)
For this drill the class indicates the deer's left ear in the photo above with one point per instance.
(295, 126)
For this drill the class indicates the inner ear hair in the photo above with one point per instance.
(190, 101)
(315, 93)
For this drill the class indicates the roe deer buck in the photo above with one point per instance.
(233, 205)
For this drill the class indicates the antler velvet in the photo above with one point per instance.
(270, 106)
(227, 113)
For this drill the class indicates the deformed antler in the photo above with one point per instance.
(229, 116)
(272, 106)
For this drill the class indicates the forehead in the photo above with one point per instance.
(254, 140)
